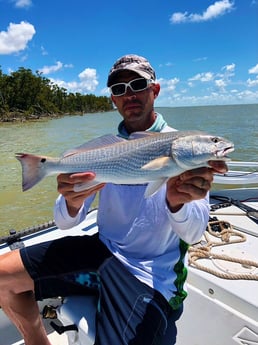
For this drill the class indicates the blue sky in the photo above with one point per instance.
(203, 51)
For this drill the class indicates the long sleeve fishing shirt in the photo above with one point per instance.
(142, 233)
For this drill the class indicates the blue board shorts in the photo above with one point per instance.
(130, 312)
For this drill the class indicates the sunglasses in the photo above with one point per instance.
(135, 85)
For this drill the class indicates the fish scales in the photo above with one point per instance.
(120, 159)
(145, 158)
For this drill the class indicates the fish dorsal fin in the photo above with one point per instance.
(140, 135)
(158, 163)
(100, 142)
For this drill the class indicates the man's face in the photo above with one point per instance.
(135, 107)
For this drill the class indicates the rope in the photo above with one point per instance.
(225, 235)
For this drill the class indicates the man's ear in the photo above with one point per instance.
(156, 90)
(113, 99)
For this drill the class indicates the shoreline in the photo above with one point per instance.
(15, 117)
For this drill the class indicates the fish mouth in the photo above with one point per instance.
(223, 153)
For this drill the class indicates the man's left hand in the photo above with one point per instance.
(192, 184)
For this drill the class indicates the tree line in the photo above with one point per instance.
(24, 95)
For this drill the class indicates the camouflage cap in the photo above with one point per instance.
(135, 63)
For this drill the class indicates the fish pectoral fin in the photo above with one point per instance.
(158, 163)
(79, 187)
(153, 187)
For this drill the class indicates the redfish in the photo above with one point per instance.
(145, 158)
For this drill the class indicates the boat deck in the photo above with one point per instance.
(217, 311)
(225, 310)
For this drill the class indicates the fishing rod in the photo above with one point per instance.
(237, 176)
(16, 235)
(243, 164)
(250, 212)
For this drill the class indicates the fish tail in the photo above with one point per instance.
(33, 169)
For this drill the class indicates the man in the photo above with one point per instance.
(137, 259)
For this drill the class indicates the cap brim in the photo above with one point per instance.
(115, 73)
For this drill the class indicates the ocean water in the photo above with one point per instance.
(19, 210)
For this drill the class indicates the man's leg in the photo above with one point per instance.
(46, 270)
(18, 301)
(131, 313)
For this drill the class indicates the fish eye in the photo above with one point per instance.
(215, 140)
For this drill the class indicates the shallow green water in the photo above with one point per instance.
(19, 210)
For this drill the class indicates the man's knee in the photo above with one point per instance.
(13, 276)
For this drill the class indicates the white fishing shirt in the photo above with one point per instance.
(143, 234)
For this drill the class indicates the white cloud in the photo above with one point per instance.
(16, 37)
(51, 69)
(217, 87)
(219, 80)
(43, 51)
(229, 68)
(22, 3)
(204, 58)
(253, 70)
(228, 72)
(171, 84)
(219, 8)
(54, 68)
(88, 82)
(24, 58)
(179, 17)
(203, 77)
(220, 83)
(252, 82)
(209, 98)
(168, 85)
(247, 95)
(167, 64)
(68, 65)
(88, 79)
(88, 74)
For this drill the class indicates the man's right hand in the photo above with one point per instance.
(74, 200)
